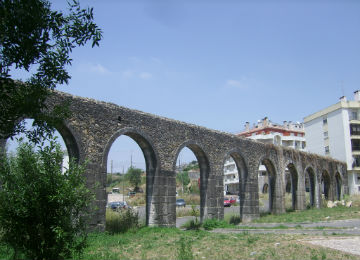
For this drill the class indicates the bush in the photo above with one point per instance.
(122, 221)
(43, 212)
(210, 224)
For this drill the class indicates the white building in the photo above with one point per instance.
(335, 131)
(288, 134)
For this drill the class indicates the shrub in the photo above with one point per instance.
(43, 213)
(210, 224)
(121, 221)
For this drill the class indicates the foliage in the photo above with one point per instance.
(183, 178)
(184, 249)
(38, 40)
(43, 212)
(191, 199)
(121, 221)
(210, 224)
(194, 188)
(193, 165)
(133, 175)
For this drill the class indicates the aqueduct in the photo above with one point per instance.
(94, 126)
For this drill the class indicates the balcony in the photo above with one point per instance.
(231, 181)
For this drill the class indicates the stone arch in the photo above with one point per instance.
(70, 137)
(243, 173)
(277, 140)
(204, 166)
(310, 184)
(271, 172)
(151, 162)
(294, 182)
(338, 186)
(325, 184)
(265, 188)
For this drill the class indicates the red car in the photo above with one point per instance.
(227, 202)
(232, 200)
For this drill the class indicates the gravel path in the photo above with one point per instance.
(347, 244)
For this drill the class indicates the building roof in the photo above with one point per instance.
(268, 126)
(325, 111)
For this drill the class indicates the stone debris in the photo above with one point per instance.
(348, 245)
(349, 204)
(332, 204)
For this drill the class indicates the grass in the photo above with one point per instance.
(311, 215)
(171, 243)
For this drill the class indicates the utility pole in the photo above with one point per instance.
(111, 167)
(123, 181)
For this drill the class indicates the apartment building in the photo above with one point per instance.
(335, 131)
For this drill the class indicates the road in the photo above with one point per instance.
(183, 220)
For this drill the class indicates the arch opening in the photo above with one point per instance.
(194, 169)
(131, 165)
(291, 180)
(338, 185)
(267, 175)
(235, 177)
(325, 185)
(310, 187)
(63, 136)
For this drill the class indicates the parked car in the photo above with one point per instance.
(180, 203)
(115, 190)
(227, 202)
(118, 205)
(232, 200)
(131, 193)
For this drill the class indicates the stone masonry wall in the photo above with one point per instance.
(94, 126)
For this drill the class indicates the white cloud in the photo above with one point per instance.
(128, 73)
(233, 83)
(98, 68)
(243, 83)
(145, 75)
(94, 68)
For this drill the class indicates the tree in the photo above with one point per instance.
(44, 211)
(133, 175)
(35, 38)
(183, 178)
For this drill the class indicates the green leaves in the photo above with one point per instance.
(133, 175)
(43, 210)
(35, 38)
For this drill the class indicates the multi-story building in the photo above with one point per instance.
(288, 134)
(335, 131)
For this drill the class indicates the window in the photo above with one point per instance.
(324, 121)
(327, 150)
(326, 135)
(354, 129)
(356, 162)
(355, 145)
(354, 115)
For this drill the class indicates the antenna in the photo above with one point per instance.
(342, 88)
(131, 160)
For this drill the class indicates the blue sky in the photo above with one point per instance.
(219, 63)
